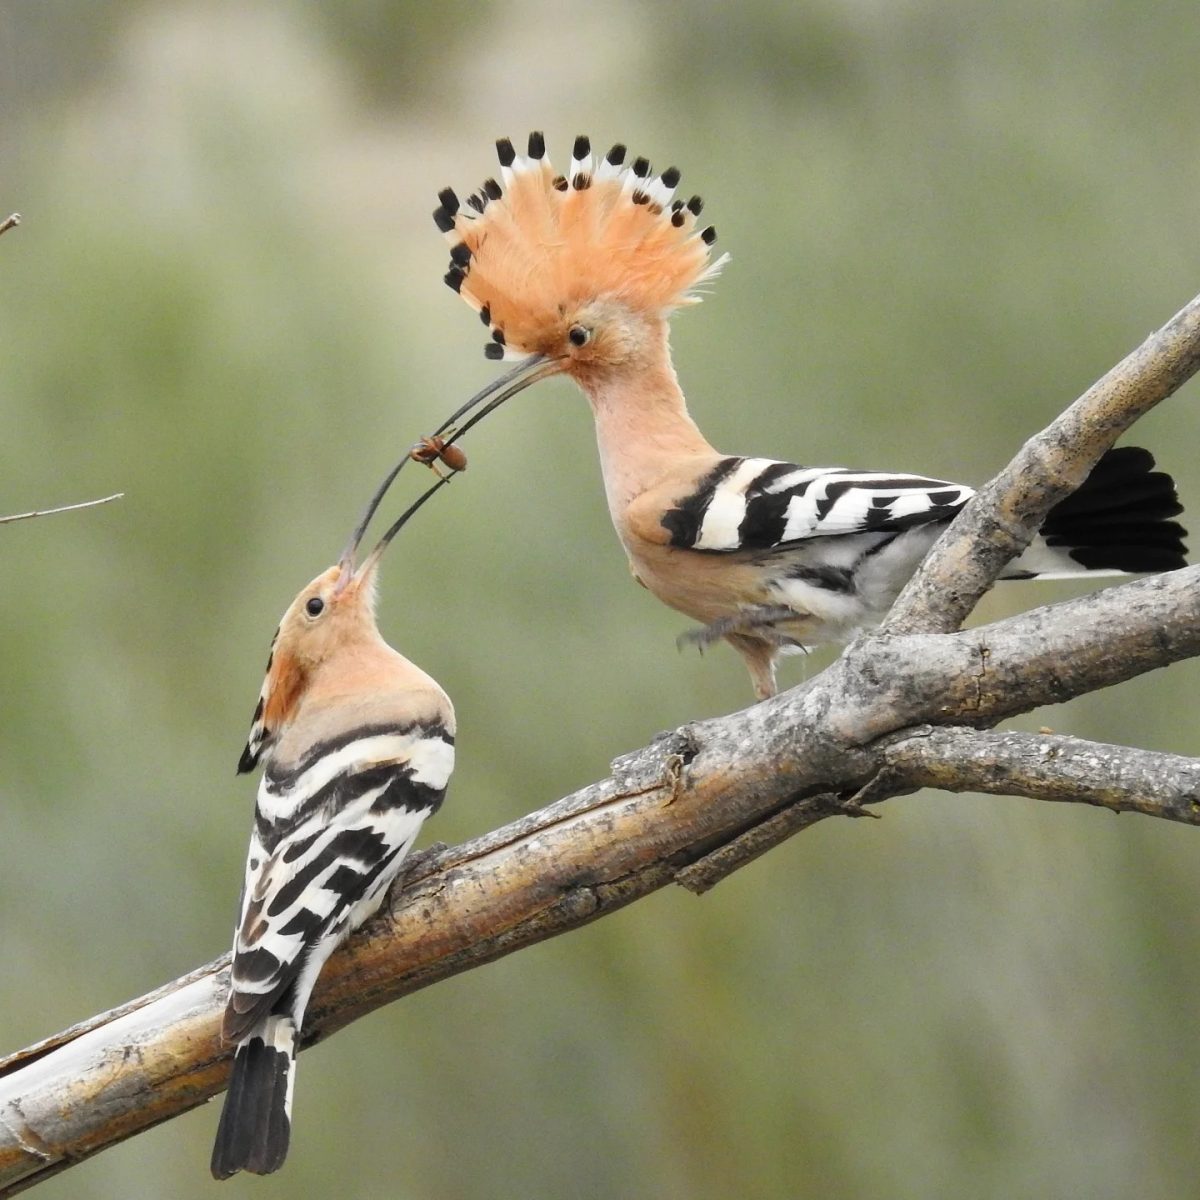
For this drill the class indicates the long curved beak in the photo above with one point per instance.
(527, 372)
(523, 375)
(348, 555)
(372, 560)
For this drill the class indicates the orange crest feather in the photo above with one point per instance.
(542, 244)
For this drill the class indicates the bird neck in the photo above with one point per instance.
(364, 681)
(361, 659)
(643, 428)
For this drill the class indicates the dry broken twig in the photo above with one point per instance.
(49, 512)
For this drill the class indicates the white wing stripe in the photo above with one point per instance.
(764, 502)
(431, 760)
(726, 510)
(795, 479)
(381, 747)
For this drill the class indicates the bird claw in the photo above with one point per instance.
(756, 622)
(700, 638)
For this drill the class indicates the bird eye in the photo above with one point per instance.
(315, 606)
(579, 336)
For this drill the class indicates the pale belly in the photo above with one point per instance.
(834, 590)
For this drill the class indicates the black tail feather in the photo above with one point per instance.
(1118, 519)
(255, 1126)
(1152, 515)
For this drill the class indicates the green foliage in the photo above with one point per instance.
(224, 300)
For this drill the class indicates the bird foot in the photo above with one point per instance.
(756, 622)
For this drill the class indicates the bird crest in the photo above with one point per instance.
(535, 243)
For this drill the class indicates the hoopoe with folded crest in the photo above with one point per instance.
(581, 271)
(356, 745)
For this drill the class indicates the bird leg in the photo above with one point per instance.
(759, 657)
(752, 633)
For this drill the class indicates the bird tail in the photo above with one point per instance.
(1118, 521)
(256, 1122)
(524, 249)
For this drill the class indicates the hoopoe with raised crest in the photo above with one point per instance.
(356, 745)
(580, 272)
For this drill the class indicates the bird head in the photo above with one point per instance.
(337, 608)
(332, 615)
(577, 271)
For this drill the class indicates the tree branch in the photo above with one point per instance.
(1002, 518)
(706, 872)
(10, 222)
(1047, 767)
(1044, 656)
(900, 709)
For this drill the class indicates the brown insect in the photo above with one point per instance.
(430, 449)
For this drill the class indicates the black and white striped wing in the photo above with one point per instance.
(330, 834)
(761, 504)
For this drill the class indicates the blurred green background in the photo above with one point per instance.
(946, 220)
